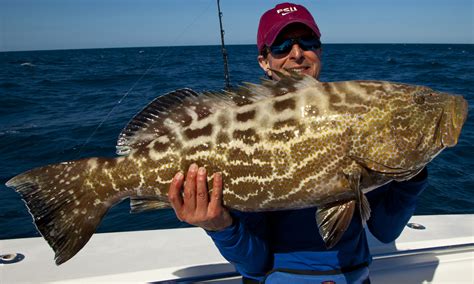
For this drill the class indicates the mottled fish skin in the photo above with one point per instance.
(295, 150)
(291, 144)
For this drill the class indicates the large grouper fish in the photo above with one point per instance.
(295, 143)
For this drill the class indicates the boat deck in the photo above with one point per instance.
(443, 252)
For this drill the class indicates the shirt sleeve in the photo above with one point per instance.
(244, 243)
(393, 205)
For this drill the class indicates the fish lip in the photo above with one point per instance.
(461, 112)
(451, 125)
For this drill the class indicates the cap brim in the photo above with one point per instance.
(275, 31)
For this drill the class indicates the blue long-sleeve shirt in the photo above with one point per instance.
(259, 242)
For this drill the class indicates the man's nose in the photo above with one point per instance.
(296, 52)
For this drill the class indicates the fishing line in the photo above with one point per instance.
(198, 16)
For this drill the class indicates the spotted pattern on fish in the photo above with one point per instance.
(292, 142)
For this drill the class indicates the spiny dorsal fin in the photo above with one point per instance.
(183, 105)
(180, 106)
(147, 124)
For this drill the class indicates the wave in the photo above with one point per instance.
(8, 132)
(27, 64)
(391, 60)
(17, 129)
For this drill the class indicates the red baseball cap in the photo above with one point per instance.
(274, 20)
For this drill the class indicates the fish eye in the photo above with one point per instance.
(419, 98)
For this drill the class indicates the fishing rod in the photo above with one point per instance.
(224, 51)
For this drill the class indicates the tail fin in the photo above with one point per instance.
(65, 206)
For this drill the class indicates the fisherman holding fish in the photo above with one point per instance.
(305, 164)
(284, 246)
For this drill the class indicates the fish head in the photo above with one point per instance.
(426, 121)
(416, 124)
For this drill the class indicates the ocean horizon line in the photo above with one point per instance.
(227, 45)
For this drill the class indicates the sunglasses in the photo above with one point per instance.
(305, 43)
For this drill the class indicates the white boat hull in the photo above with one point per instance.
(441, 253)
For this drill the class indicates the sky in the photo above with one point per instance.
(76, 24)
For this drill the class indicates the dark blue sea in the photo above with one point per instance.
(68, 104)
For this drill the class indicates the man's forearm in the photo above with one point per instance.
(244, 247)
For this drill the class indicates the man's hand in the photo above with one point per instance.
(195, 206)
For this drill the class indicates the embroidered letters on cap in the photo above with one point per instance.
(286, 11)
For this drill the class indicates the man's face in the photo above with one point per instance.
(298, 60)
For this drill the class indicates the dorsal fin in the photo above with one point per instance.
(184, 105)
(180, 106)
(148, 123)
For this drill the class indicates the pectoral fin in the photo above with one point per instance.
(384, 169)
(141, 204)
(364, 206)
(362, 202)
(334, 219)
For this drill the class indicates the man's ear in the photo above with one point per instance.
(263, 62)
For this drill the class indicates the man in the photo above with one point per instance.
(287, 243)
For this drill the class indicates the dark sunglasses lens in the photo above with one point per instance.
(281, 48)
(305, 44)
(309, 43)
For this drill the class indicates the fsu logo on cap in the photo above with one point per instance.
(286, 11)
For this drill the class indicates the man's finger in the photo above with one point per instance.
(216, 198)
(174, 193)
(190, 189)
(202, 200)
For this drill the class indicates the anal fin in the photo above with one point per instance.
(141, 204)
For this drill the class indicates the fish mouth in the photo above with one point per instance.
(453, 120)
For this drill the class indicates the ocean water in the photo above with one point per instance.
(63, 105)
